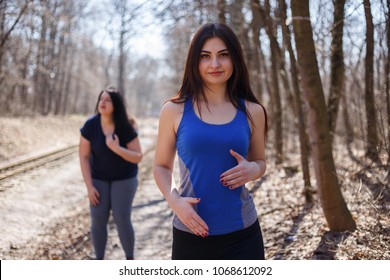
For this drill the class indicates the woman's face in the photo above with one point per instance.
(105, 104)
(215, 65)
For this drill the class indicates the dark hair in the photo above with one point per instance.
(238, 84)
(120, 116)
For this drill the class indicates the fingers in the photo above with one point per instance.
(240, 160)
(94, 201)
(112, 138)
(193, 200)
(195, 223)
(238, 157)
(94, 197)
(189, 217)
(112, 141)
(197, 226)
(233, 179)
(238, 175)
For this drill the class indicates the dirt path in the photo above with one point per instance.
(151, 219)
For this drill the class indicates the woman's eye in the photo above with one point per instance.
(224, 54)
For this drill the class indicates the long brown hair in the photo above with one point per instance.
(238, 86)
(120, 115)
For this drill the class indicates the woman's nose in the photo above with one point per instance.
(215, 62)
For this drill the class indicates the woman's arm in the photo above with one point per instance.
(84, 154)
(131, 153)
(256, 151)
(254, 166)
(163, 170)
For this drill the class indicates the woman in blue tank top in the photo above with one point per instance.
(217, 127)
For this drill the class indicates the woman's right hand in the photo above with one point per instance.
(93, 195)
(183, 207)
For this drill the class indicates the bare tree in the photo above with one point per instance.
(221, 11)
(11, 17)
(387, 83)
(39, 73)
(144, 85)
(336, 88)
(258, 56)
(6, 32)
(126, 15)
(336, 212)
(300, 116)
(121, 7)
(371, 128)
(277, 116)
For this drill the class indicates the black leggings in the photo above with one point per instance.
(245, 244)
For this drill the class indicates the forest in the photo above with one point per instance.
(321, 68)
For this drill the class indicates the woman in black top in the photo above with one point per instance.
(109, 153)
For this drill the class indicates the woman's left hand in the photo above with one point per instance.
(241, 174)
(112, 141)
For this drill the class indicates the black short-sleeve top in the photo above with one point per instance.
(105, 164)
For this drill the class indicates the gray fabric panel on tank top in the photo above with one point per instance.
(186, 190)
(248, 210)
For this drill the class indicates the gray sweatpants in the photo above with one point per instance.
(116, 196)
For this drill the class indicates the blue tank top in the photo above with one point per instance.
(203, 154)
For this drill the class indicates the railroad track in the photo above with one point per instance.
(10, 169)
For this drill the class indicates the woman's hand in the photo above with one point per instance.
(241, 174)
(112, 142)
(183, 207)
(93, 195)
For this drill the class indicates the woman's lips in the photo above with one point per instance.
(215, 73)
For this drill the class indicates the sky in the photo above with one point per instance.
(148, 41)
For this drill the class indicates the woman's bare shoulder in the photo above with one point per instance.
(172, 113)
(255, 109)
(173, 107)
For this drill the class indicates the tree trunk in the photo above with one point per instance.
(356, 87)
(238, 25)
(39, 89)
(3, 7)
(126, 16)
(337, 68)
(263, 81)
(255, 27)
(303, 138)
(387, 72)
(347, 122)
(221, 5)
(24, 72)
(51, 75)
(69, 78)
(277, 116)
(121, 64)
(335, 209)
(11, 23)
(62, 66)
(372, 136)
(8, 23)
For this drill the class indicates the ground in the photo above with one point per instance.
(44, 212)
